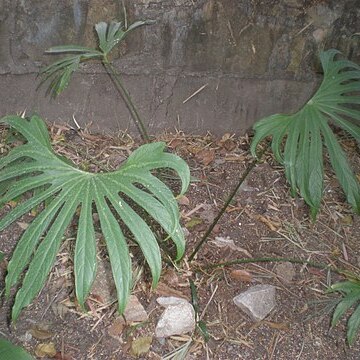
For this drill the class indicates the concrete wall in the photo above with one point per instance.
(256, 57)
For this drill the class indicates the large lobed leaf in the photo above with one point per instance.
(306, 131)
(35, 166)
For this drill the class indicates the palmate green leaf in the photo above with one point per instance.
(353, 326)
(63, 49)
(34, 167)
(351, 297)
(59, 72)
(307, 134)
(110, 35)
(8, 351)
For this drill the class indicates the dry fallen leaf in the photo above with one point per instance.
(241, 275)
(43, 350)
(170, 277)
(315, 271)
(216, 229)
(235, 157)
(346, 220)
(336, 252)
(165, 290)
(59, 309)
(193, 149)
(174, 143)
(271, 224)
(193, 222)
(228, 144)
(141, 345)
(205, 156)
(41, 332)
(183, 200)
(12, 203)
(116, 328)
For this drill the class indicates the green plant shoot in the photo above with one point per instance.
(109, 35)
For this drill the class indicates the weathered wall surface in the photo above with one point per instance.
(256, 57)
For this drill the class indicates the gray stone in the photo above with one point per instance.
(257, 301)
(103, 287)
(178, 317)
(134, 311)
(166, 301)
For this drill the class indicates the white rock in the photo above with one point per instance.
(178, 317)
(257, 301)
(166, 301)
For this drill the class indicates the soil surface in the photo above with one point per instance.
(262, 221)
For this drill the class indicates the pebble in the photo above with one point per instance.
(134, 311)
(257, 301)
(178, 317)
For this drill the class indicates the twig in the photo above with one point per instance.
(195, 93)
(227, 203)
(270, 259)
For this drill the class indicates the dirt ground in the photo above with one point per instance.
(262, 220)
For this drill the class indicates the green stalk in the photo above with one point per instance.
(271, 259)
(127, 99)
(227, 203)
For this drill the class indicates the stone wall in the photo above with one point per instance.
(254, 57)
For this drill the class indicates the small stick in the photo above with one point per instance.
(76, 123)
(195, 93)
(304, 28)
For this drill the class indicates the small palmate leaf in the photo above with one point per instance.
(307, 132)
(64, 189)
(344, 305)
(62, 49)
(60, 71)
(8, 351)
(353, 326)
(110, 35)
(351, 297)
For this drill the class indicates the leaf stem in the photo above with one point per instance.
(272, 259)
(127, 99)
(227, 203)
